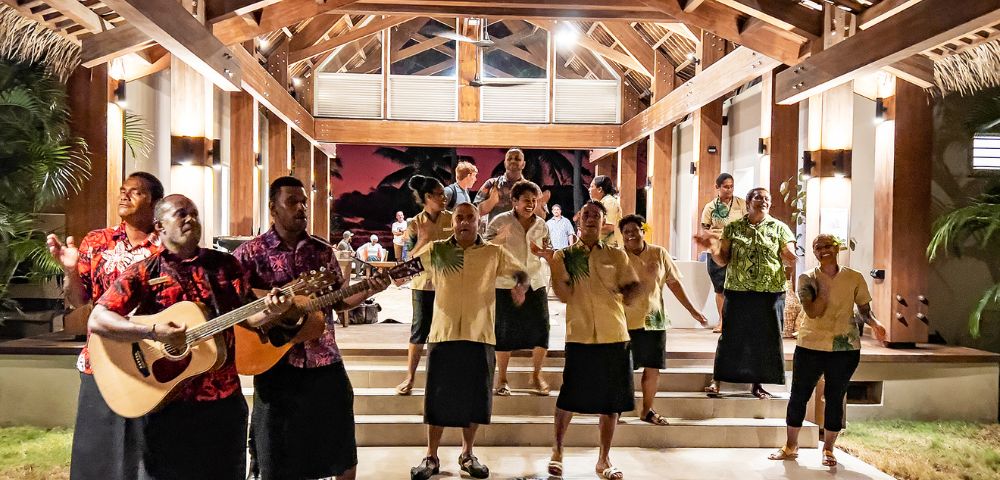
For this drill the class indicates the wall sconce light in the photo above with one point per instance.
(807, 164)
(880, 110)
(649, 183)
(762, 145)
(119, 95)
(826, 163)
(215, 153)
(192, 151)
(694, 168)
(693, 59)
(258, 161)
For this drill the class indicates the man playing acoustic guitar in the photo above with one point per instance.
(200, 432)
(303, 417)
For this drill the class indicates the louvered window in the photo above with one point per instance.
(415, 97)
(587, 101)
(514, 100)
(348, 95)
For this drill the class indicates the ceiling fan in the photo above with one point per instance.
(486, 42)
(478, 82)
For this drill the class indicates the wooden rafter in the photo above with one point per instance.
(82, 15)
(783, 14)
(170, 25)
(598, 48)
(107, 46)
(520, 9)
(911, 31)
(632, 43)
(882, 10)
(232, 28)
(726, 23)
(323, 47)
(317, 28)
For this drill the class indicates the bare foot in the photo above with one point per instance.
(760, 393)
(404, 388)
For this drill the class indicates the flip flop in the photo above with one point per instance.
(404, 389)
(828, 459)
(784, 453)
(502, 391)
(555, 468)
(655, 418)
(713, 390)
(542, 389)
(610, 472)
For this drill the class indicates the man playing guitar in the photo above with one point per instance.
(200, 432)
(302, 425)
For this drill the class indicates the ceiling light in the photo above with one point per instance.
(297, 81)
(567, 36)
(473, 21)
(263, 44)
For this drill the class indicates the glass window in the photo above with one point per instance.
(520, 50)
(579, 63)
(363, 55)
(421, 47)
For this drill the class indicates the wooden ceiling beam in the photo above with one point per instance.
(733, 70)
(520, 11)
(725, 22)
(232, 29)
(881, 11)
(783, 14)
(107, 46)
(598, 48)
(634, 45)
(917, 69)
(323, 47)
(315, 30)
(922, 26)
(273, 95)
(79, 13)
(221, 8)
(692, 5)
(172, 26)
(466, 134)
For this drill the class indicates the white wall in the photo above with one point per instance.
(863, 187)
(685, 192)
(740, 139)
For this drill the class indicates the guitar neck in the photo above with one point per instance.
(230, 319)
(334, 297)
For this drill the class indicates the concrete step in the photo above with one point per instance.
(536, 431)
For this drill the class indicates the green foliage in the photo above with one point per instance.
(795, 197)
(137, 135)
(971, 227)
(40, 164)
(577, 262)
(447, 257)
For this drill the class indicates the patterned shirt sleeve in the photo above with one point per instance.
(484, 191)
(125, 292)
(786, 234)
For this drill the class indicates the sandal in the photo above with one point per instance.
(713, 390)
(503, 390)
(427, 468)
(542, 389)
(555, 468)
(612, 473)
(760, 393)
(784, 453)
(654, 418)
(828, 459)
(404, 389)
(470, 464)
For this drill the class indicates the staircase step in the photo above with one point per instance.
(527, 430)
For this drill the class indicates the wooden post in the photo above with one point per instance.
(781, 140)
(277, 63)
(660, 159)
(707, 122)
(627, 159)
(87, 92)
(278, 146)
(321, 195)
(302, 152)
(242, 163)
(468, 67)
(903, 153)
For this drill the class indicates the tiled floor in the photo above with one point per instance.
(681, 463)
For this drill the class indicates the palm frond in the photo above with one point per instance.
(981, 219)
(447, 257)
(57, 170)
(577, 262)
(137, 135)
(990, 296)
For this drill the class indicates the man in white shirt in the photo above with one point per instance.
(371, 252)
(561, 230)
(398, 244)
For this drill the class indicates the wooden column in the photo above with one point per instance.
(277, 63)
(278, 146)
(242, 163)
(627, 160)
(903, 153)
(87, 92)
(302, 152)
(468, 67)
(321, 195)
(660, 161)
(707, 122)
(780, 130)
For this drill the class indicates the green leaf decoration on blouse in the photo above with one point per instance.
(577, 261)
(655, 320)
(721, 210)
(447, 257)
(842, 343)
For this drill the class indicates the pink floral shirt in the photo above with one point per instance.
(104, 255)
(271, 263)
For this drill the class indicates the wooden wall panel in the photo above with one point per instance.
(87, 91)
(278, 163)
(468, 67)
(661, 159)
(242, 163)
(321, 195)
(783, 151)
(302, 168)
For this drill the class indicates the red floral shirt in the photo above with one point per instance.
(104, 255)
(271, 263)
(212, 278)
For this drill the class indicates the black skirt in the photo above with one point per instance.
(459, 389)
(197, 441)
(750, 349)
(524, 327)
(106, 446)
(423, 311)
(597, 379)
(303, 422)
(718, 275)
(648, 347)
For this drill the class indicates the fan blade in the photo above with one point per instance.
(462, 38)
(476, 83)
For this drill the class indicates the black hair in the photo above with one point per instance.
(605, 184)
(286, 181)
(152, 183)
(597, 204)
(722, 178)
(422, 185)
(753, 191)
(631, 218)
(522, 186)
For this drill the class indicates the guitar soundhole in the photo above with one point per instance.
(165, 369)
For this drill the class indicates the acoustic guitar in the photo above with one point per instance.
(136, 378)
(255, 354)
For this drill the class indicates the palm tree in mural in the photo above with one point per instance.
(40, 164)
(430, 161)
